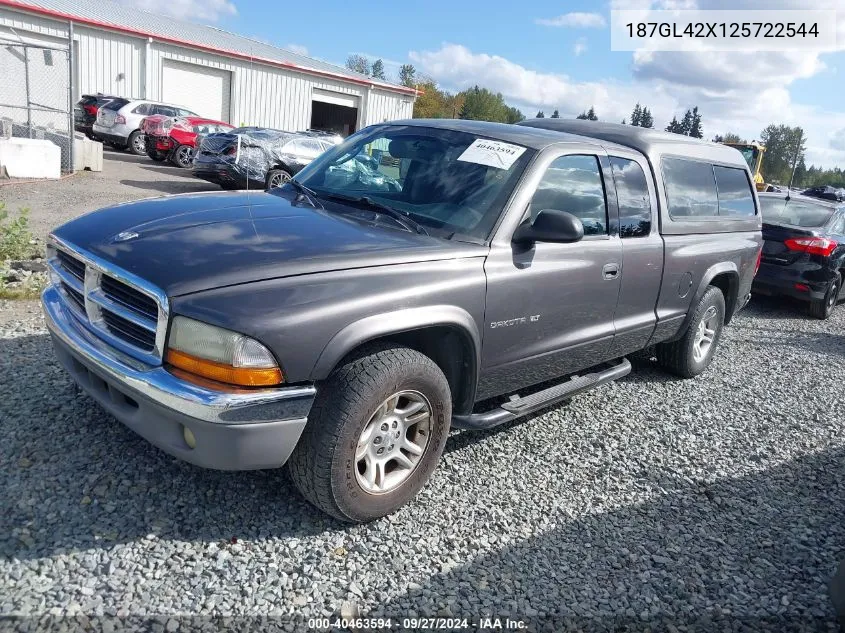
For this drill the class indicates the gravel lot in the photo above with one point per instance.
(721, 496)
(124, 177)
(649, 499)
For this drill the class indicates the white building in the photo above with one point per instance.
(123, 51)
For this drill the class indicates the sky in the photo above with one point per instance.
(556, 55)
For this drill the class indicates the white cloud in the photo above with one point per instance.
(576, 20)
(743, 103)
(299, 49)
(837, 141)
(580, 46)
(193, 10)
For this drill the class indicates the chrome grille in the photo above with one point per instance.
(119, 307)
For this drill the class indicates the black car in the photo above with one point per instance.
(85, 112)
(257, 158)
(803, 250)
(827, 193)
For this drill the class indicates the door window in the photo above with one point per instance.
(573, 183)
(632, 193)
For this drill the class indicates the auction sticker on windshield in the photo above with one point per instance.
(492, 153)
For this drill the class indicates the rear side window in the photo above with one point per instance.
(144, 108)
(690, 189)
(573, 183)
(632, 192)
(117, 104)
(734, 188)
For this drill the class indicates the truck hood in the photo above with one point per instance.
(195, 242)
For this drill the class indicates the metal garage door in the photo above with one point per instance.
(204, 90)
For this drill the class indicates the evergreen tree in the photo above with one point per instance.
(358, 64)
(695, 128)
(377, 70)
(646, 120)
(408, 75)
(591, 114)
(674, 126)
(555, 114)
(541, 115)
(636, 115)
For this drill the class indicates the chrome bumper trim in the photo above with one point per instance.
(160, 386)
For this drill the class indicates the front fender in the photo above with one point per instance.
(391, 323)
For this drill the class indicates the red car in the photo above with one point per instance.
(176, 138)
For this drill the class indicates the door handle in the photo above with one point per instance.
(610, 271)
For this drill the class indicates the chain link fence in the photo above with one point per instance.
(35, 94)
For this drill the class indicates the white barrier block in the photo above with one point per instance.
(30, 158)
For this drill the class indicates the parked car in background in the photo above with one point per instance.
(85, 112)
(837, 194)
(175, 138)
(118, 123)
(344, 323)
(803, 250)
(256, 157)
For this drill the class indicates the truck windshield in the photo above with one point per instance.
(452, 183)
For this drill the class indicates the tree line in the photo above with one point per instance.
(784, 144)
(785, 149)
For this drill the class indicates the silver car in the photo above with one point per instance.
(118, 122)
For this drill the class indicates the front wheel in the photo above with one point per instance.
(183, 156)
(374, 435)
(692, 353)
(276, 178)
(137, 143)
(823, 308)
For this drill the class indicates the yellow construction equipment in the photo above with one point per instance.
(753, 154)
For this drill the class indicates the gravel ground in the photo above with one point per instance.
(124, 177)
(720, 497)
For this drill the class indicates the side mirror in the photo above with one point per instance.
(550, 225)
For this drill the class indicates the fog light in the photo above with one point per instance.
(190, 440)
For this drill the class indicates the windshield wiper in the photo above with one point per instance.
(401, 217)
(305, 192)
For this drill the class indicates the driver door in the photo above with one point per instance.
(550, 306)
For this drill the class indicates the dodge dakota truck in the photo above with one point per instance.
(468, 274)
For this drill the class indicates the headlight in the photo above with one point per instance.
(221, 355)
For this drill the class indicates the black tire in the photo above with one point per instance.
(276, 178)
(182, 156)
(323, 464)
(823, 308)
(137, 143)
(156, 155)
(679, 357)
(118, 147)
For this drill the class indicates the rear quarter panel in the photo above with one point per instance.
(691, 262)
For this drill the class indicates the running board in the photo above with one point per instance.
(519, 407)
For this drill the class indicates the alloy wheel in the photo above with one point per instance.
(185, 156)
(393, 442)
(278, 180)
(705, 334)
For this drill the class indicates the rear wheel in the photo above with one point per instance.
(692, 353)
(137, 143)
(276, 178)
(823, 308)
(374, 435)
(183, 156)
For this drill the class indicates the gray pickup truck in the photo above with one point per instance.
(420, 276)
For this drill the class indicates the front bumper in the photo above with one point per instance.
(234, 430)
